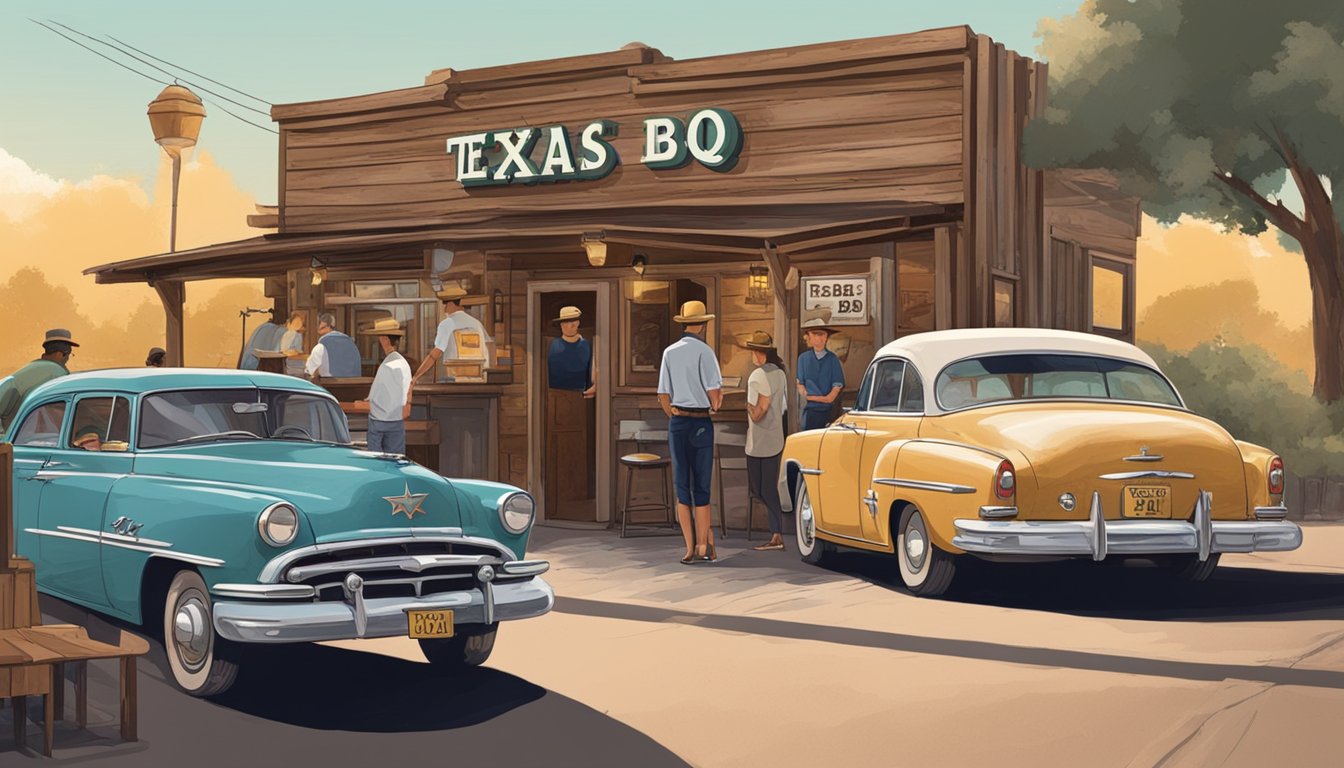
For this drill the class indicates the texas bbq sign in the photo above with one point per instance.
(710, 136)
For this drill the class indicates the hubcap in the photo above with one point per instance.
(191, 632)
(805, 523)
(915, 545)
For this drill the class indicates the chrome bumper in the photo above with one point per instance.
(1098, 537)
(271, 622)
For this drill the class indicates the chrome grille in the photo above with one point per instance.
(406, 568)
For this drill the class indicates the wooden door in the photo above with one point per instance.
(570, 419)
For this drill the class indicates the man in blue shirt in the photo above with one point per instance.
(690, 390)
(569, 361)
(821, 378)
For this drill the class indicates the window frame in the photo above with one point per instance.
(66, 416)
(863, 403)
(1102, 260)
(938, 400)
(68, 430)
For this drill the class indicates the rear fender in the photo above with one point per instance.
(945, 481)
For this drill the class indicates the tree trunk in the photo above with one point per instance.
(1323, 248)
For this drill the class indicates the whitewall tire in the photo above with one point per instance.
(925, 569)
(812, 549)
(202, 663)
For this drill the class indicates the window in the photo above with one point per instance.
(649, 306)
(915, 287)
(1110, 296)
(42, 428)
(887, 379)
(296, 415)
(912, 392)
(1028, 376)
(248, 414)
(1005, 303)
(108, 418)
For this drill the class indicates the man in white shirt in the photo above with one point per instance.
(389, 403)
(456, 328)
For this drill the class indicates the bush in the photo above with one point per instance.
(1248, 392)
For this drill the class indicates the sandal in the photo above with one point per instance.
(766, 547)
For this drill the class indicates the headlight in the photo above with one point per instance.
(278, 524)
(516, 511)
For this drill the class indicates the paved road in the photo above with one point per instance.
(311, 705)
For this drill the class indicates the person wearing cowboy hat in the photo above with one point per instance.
(455, 322)
(389, 403)
(56, 352)
(767, 401)
(690, 390)
(569, 361)
(821, 378)
(155, 357)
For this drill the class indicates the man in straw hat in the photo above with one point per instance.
(389, 403)
(767, 400)
(569, 361)
(690, 390)
(821, 378)
(456, 322)
(56, 352)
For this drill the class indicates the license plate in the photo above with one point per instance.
(1146, 501)
(430, 623)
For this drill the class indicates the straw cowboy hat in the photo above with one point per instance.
(60, 334)
(385, 327)
(817, 319)
(759, 340)
(453, 293)
(693, 313)
(568, 313)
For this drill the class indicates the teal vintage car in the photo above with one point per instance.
(221, 508)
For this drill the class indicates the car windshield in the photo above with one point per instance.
(201, 415)
(1035, 376)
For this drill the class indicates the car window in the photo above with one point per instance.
(887, 386)
(1027, 376)
(865, 389)
(298, 415)
(105, 418)
(912, 392)
(173, 417)
(42, 428)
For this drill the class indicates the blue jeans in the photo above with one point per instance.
(692, 442)
(815, 418)
(387, 436)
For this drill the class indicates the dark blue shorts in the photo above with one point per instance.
(692, 442)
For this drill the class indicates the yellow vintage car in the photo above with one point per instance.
(1023, 444)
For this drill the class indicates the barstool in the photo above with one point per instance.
(635, 463)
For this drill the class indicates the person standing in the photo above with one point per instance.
(456, 326)
(569, 361)
(56, 352)
(291, 343)
(821, 378)
(389, 403)
(335, 355)
(767, 401)
(690, 391)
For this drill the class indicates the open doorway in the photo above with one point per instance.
(568, 405)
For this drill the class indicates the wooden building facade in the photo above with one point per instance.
(881, 178)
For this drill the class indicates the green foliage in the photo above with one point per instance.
(1247, 391)
(1167, 92)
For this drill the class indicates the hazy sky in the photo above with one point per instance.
(70, 114)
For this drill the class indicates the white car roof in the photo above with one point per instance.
(932, 351)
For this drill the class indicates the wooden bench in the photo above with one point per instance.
(33, 662)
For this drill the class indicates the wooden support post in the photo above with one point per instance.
(20, 704)
(49, 718)
(173, 295)
(82, 693)
(128, 703)
(58, 689)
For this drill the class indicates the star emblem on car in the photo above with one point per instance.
(407, 502)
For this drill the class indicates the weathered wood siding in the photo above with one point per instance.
(866, 121)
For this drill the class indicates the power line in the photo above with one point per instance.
(151, 78)
(184, 69)
(161, 69)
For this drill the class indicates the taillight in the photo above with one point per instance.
(1005, 481)
(1276, 475)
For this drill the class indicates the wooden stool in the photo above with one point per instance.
(733, 464)
(635, 463)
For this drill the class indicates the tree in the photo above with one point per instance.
(1208, 108)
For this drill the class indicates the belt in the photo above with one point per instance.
(701, 413)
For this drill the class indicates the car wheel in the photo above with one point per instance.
(202, 663)
(468, 649)
(926, 570)
(1188, 568)
(812, 549)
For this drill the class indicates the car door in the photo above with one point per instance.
(77, 482)
(38, 434)
(895, 409)
(839, 505)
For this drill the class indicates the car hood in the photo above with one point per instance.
(1068, 447)
(338, 489)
